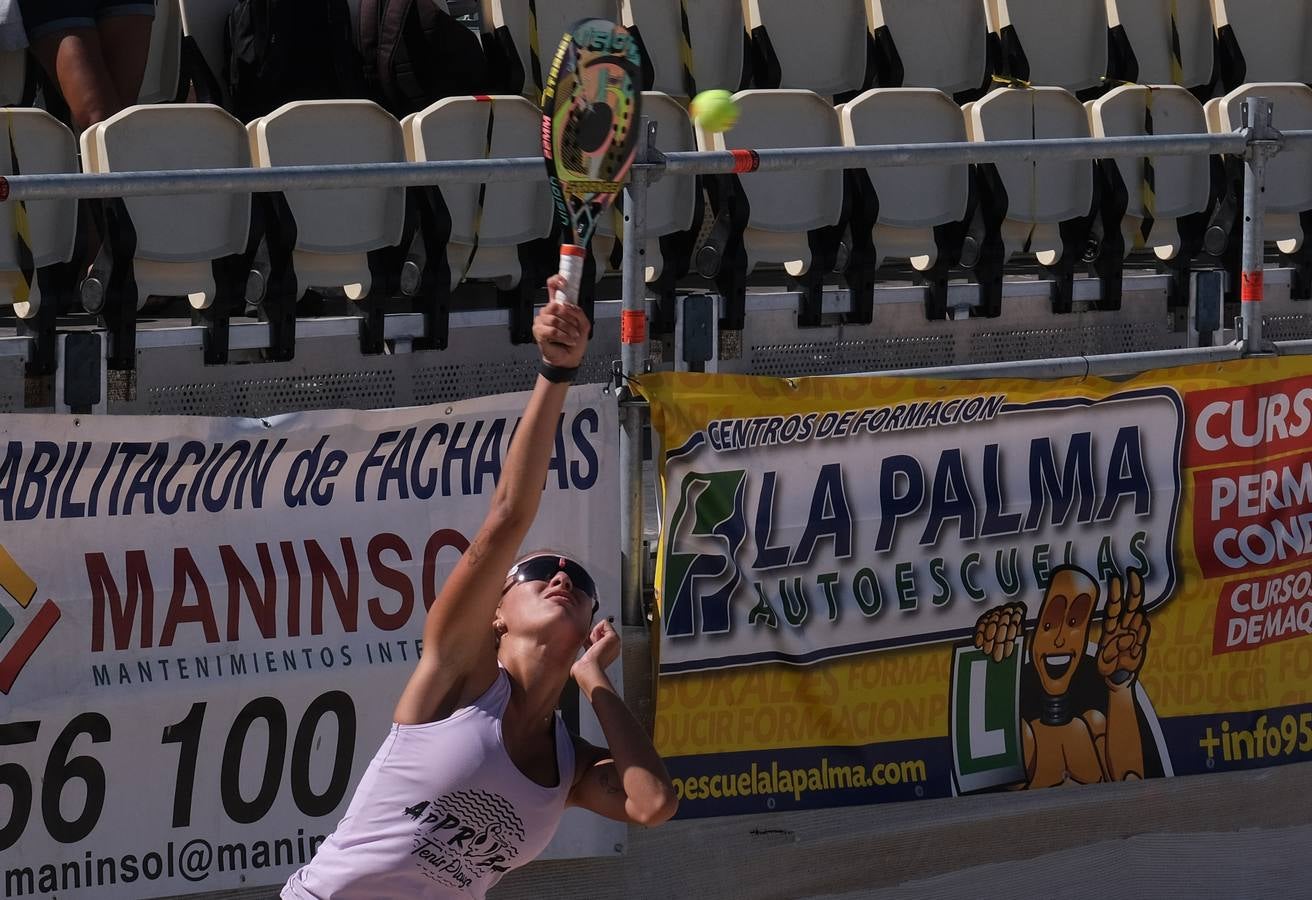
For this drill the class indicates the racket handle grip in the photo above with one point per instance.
(571, 269)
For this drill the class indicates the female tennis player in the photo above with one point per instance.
(478, 766)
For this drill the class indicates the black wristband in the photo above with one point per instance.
(557, 374)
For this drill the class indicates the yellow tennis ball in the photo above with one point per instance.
(715, 111)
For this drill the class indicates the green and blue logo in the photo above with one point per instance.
(706, 532)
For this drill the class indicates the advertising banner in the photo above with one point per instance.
(878, 589)
(205, 625)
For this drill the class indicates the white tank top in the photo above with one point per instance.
(441, 812)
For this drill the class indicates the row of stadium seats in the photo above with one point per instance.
(373, 245)
(947, 221)
(960, 47)
(1079, 45)
(370, 245)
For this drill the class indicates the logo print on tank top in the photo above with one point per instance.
(465, 835)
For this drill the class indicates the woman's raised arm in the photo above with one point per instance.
(459, 661)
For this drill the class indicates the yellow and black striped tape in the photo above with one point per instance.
(685, 51)
(1148, 190)
(1177, 62)
(482, 185)
(534, 48)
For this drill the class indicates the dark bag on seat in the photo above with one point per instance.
(277, 51)
(414, 53)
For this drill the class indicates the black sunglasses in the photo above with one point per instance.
(545, 567)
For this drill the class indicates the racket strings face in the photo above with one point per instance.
(592, 128)
(571, 158)
(591, 113)
(620, 154)
(595, 137)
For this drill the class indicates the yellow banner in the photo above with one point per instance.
(875, 589)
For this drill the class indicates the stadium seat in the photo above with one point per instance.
(1031, 207)
(1053, 44)
(808, 47)
(1263, 41)
(913, 213)
(1288, 194)
(715, 38)
(1142, 37)
(488, 231)
(13, 78)
(1181, 186)
(42, 145)
(189, 245)
(939, 44)
(204, 23)
(522, 54)
(483, 245)
(164, 63)
(673, 206)
(341, 237)
(783, 218)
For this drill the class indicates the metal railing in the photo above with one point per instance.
(1257, 142)
(650, 168)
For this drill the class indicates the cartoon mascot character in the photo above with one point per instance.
(1072, 740)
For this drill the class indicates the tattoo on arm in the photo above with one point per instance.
(476, 550)
(607, 783)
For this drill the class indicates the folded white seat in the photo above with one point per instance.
(177, 237)
(335, 230)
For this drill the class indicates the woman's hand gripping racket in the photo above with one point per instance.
(591, 110)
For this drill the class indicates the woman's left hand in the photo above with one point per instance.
(601, 648)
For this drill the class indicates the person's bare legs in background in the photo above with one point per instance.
(94, 50)
(125, 40)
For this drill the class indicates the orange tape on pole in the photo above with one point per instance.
(745, 161)
(1251, 286)
(633, 326)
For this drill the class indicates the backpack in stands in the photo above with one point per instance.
(277, 51)
(414, 52)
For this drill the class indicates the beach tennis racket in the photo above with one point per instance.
(591, 110)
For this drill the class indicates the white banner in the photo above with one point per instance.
(205, 625)
(806, 537)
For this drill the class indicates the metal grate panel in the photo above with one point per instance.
(329, 373)
(1287, 328)
(448, 381)
(789, 360)
(1079, 339)
(901, 338)
(1284, 318)
(11, 385)
(270, 396)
